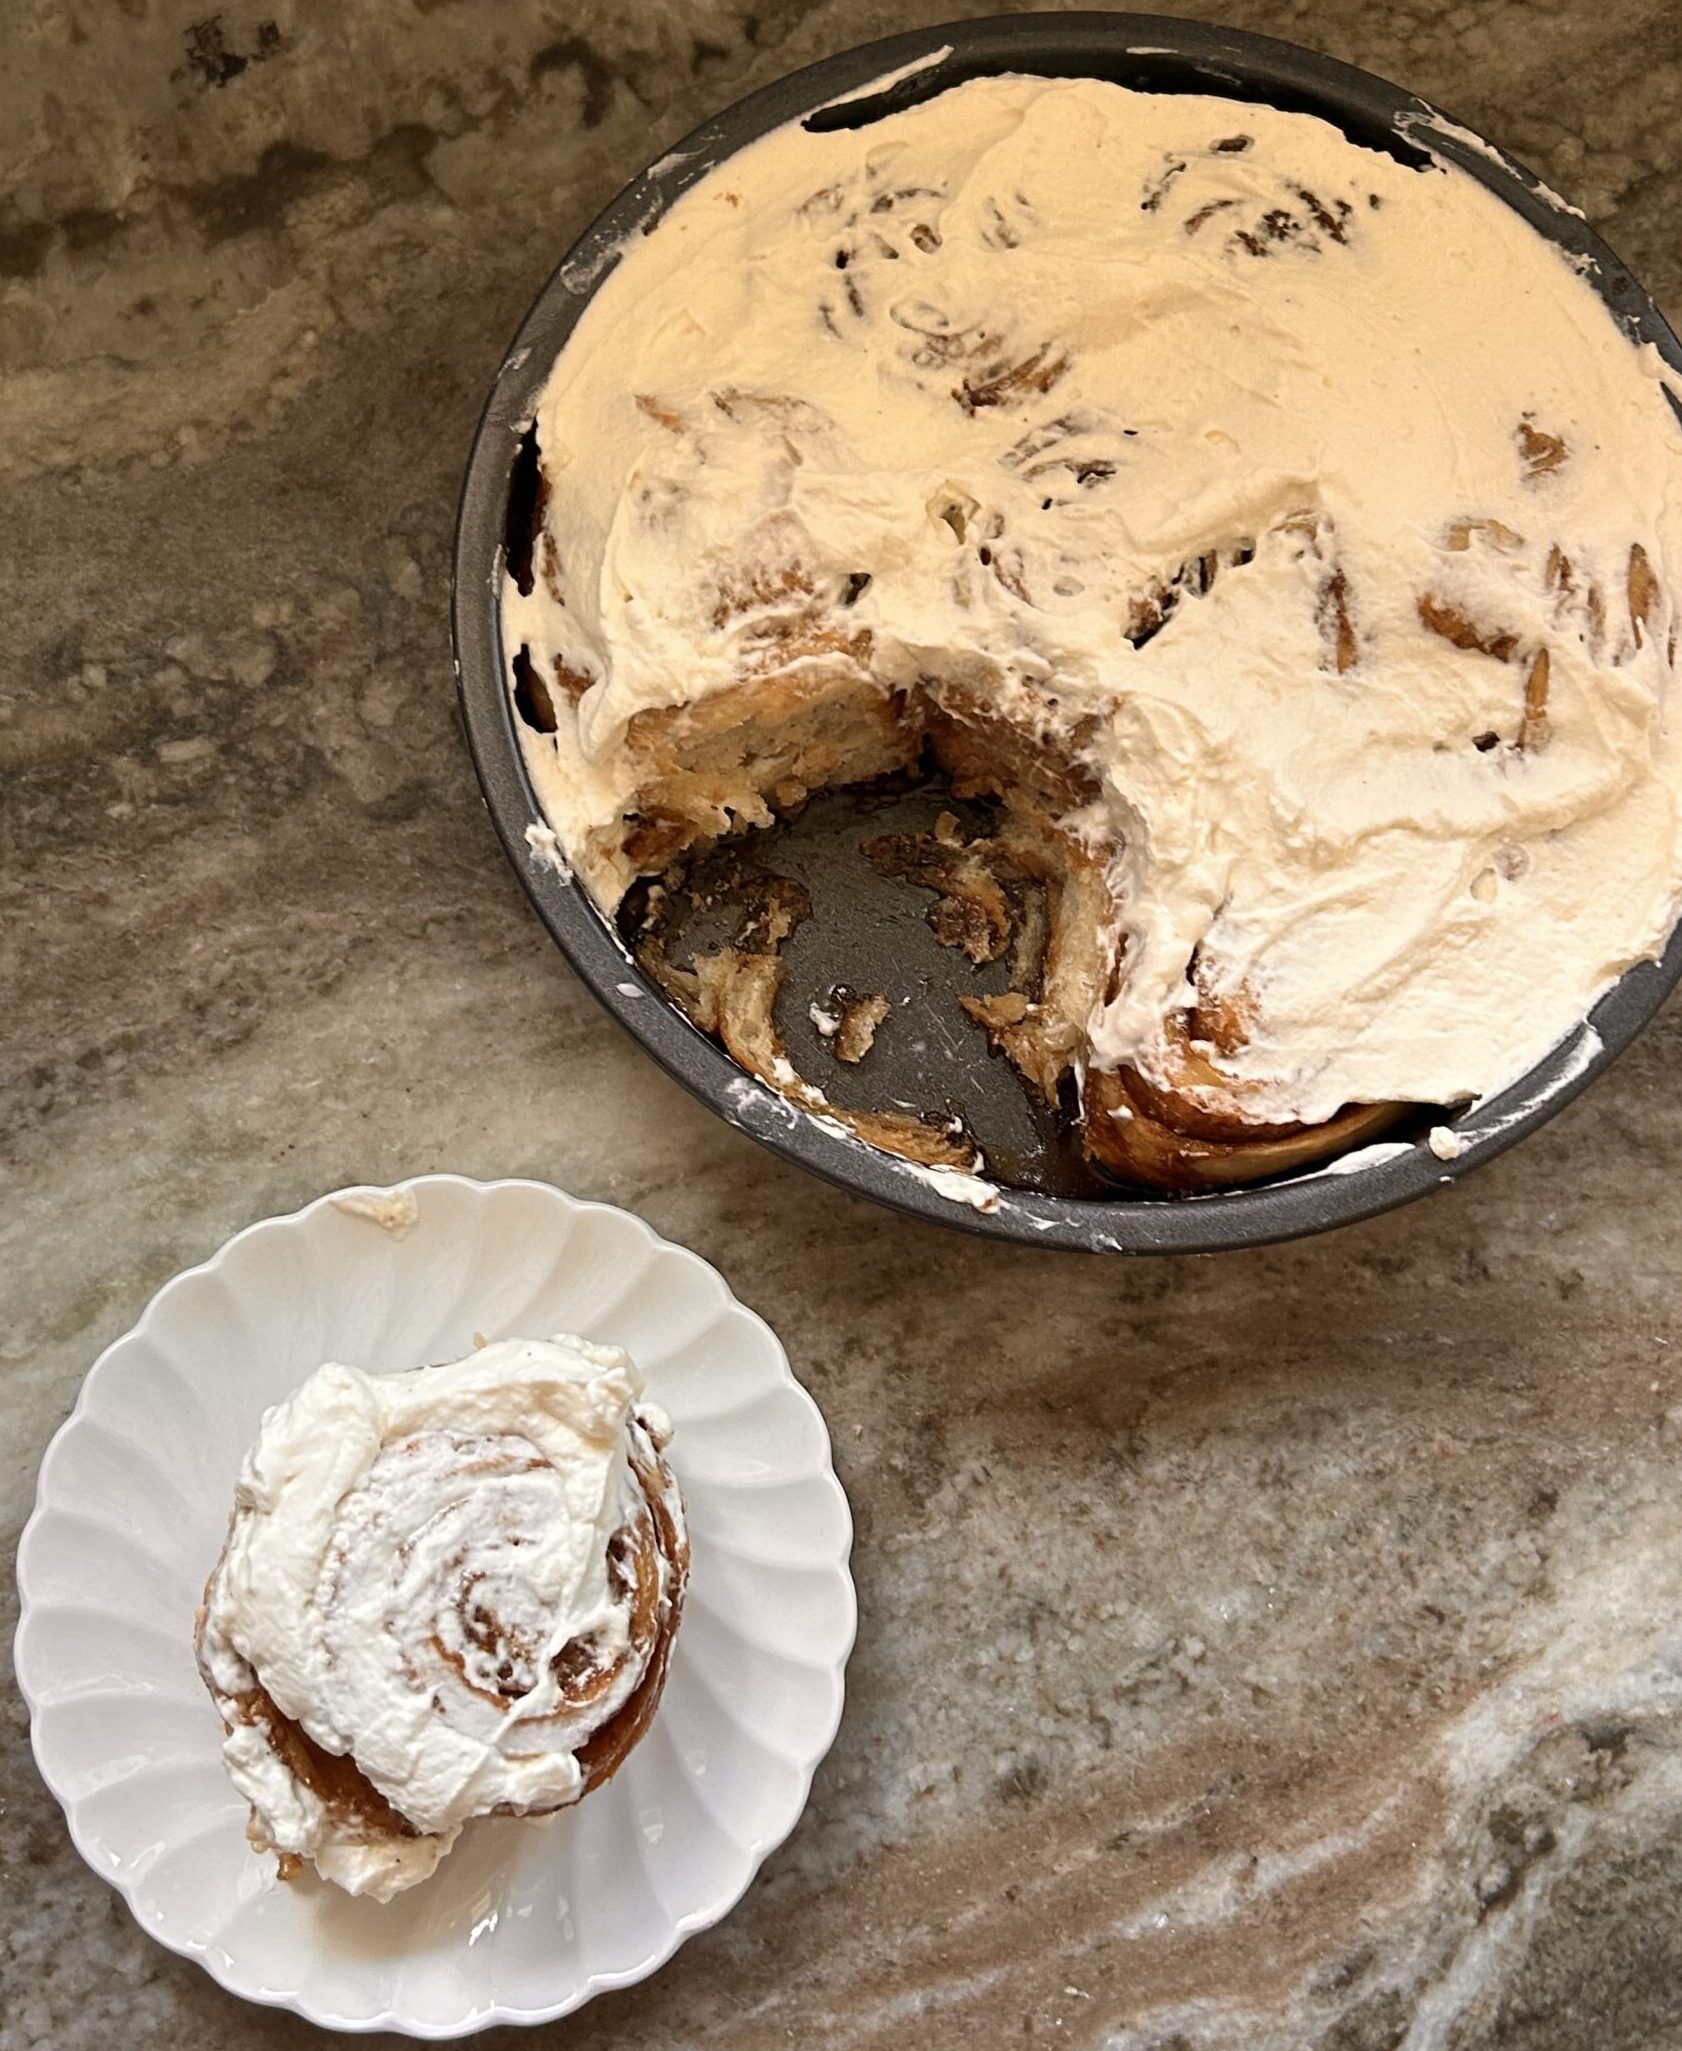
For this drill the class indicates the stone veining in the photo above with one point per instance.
(1277, 1652)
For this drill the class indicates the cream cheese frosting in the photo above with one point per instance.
(406, 1552)
(1311, 497)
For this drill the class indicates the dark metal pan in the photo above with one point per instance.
(871, 935)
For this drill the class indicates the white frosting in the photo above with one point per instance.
(545, 848)
(407, 1547)
(957, 1185)
(1296, 347)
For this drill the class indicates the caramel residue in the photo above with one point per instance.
(1454, 626)
(1462, 533)
(549, 556)
(1206, 212)
(1279, 226)
(1533, 728)
(1538, 450)
(757, 588)
(1156, 189)
(653, 837)
(1337, 627)
(1148, 611)
(1643, 591)
(1000, 387)
(1007, 568)
(1329, 222)
(1333, 614)
(673, 422)
(1577, 600)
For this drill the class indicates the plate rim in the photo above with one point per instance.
(211, 1956)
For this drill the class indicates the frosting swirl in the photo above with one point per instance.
(444, 1593)
(1308, 497)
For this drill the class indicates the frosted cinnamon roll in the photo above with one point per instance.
(444, 1594)
(1279, 529)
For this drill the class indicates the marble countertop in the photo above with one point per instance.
(1281, 1652)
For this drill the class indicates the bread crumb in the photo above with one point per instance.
(393, 1210)
(860, 1016)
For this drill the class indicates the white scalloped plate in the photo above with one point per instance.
(527, 1918)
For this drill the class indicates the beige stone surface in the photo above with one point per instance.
(1276, 1651)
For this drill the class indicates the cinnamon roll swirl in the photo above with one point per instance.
(444, 1594)
(1160, 467)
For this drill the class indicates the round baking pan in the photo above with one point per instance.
(1036, 1197)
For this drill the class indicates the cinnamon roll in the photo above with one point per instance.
(444, 1594)
(1177, 473)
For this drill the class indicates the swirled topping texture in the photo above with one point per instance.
(440, 1576)
(1309, 497)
